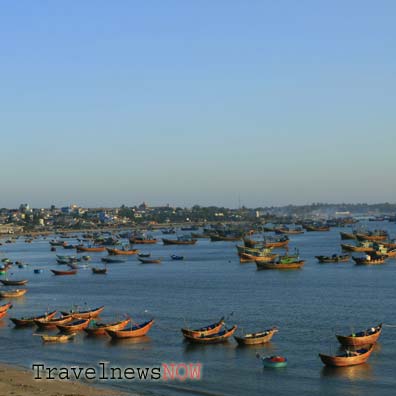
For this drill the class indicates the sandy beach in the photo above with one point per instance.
(16, 381)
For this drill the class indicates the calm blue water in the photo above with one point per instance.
(308, 306)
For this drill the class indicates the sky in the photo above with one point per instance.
(197, 102)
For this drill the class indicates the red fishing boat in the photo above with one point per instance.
(71, 272)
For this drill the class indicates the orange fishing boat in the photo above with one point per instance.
(279, 266)
(12, 293)
(206, 330)
(348, 358)
(256, 338)
(142, 241)
(3, 313)
(22, 322)
(375, 237)
(99, 329)
(52, 323)
(81, 248)
(5, 307)
(89, 314)
(215, 338)
(276, 244)
(72, 327)
(138, 330)
(367, 337)
(116, 252)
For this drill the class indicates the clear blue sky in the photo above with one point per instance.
(183, 102)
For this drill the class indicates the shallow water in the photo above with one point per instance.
(309, 306)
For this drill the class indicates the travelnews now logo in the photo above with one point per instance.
(181, 371)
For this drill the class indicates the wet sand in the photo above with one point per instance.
(16, 381)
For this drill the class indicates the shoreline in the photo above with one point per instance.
(19, 381)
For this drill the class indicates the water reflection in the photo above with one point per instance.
(350, 373)
(130, 343)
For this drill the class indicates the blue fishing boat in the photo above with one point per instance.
(274, 361)
(175, 257)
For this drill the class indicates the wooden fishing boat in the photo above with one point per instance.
(24, 322)
(389, 253)
(144, 255)
(179, 241)
(121, 252)
(149, 261)
(369, 260)
(99, 270)
(58, 337)
(279, 266)
(311, 228)
(245, 258)
(99, 329)
(253, 251)
(347, 235)
(389, 245)
(256, 338)
(197, 235)
(343, 258)
(225, 238)
(347, 358)
(5, 307)
(89, 314)
(7, 282)
(46, 324)
(215, 338)
(13, 293)
(204, 331)
(70, 272)
(365, 248)
(142, 241)
(74, 326)
(276, 244)
(250, 243)
(366, 337)
(274, 361)
(81, 248)
(376, 237)
(288, 231)
(3, 313)
(138, 330)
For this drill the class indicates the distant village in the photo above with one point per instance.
(73, 217)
